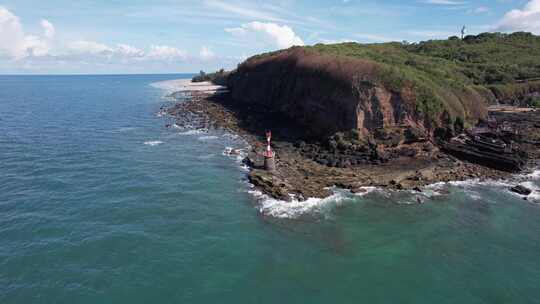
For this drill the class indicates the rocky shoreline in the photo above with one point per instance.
(309, 169)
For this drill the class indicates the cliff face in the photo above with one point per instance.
(325, 94)
(426, 85)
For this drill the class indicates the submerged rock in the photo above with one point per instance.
(519, 189)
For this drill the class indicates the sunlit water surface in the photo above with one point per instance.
(101, 203)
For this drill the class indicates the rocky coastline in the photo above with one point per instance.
(309, 168)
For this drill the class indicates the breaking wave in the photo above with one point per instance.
(194, 132)
(296, 209)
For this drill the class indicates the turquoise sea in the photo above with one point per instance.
(101, 203)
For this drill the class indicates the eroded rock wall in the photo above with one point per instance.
(325, 94)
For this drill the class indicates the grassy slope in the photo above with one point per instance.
(454, 75)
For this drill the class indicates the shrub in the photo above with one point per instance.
(219, 77)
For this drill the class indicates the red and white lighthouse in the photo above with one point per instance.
(269, 162)
(268, 152)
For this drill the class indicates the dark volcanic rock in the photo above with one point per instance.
(414, 135)
(485, 154)
(270, 184)
(519, 189)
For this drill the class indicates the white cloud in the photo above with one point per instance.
(206, 53)
(129, 51)
(48, 28)
(166, 52)
(431, 34)
(526, 19)
(125, 51)
(479, 10)
(11, 34)
(375, 38)
(280, 36)
(45, 51)
(35, 46)
(89, 47)
(334, 41)
(15, 43)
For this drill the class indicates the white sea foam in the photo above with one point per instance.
(238, 155)
(295, 208)
(474, 195)
(534, 197)
(153, 142)
(469, 187)
(208, 137)
(468, 184)
(193, 132)
(367, 190)
(530, 185)
(534, 175)
(434, 190)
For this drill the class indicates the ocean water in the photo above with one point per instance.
(101, 203)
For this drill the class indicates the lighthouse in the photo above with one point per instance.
(269, 160)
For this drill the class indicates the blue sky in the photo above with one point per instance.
(167, 36)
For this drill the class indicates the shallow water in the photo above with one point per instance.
(100, 203)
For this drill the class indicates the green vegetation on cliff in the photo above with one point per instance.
(432, 84)
(481, 69)
(446, 74)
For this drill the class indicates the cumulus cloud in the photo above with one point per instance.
(280, 36)
(125, 51)
(526, 19)
(43, 51)
(16, 44)
(166, 52)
